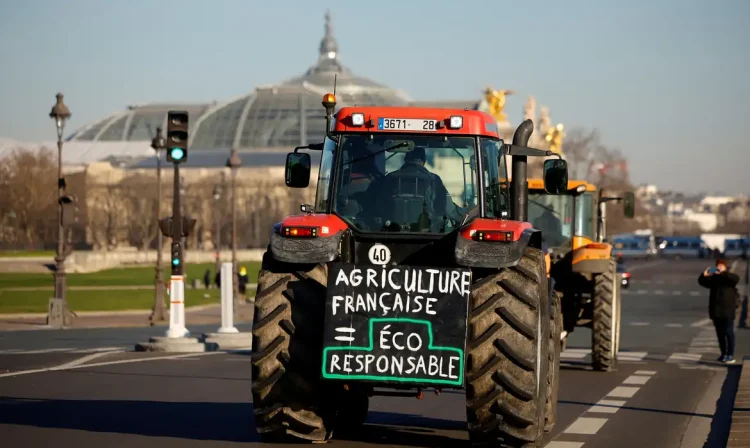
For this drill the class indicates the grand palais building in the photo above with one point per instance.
(262, 125)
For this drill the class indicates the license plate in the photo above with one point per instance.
(407, 124)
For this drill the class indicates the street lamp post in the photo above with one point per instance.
(234, 163)
(158, 313)
(58, 314)
(218, 191)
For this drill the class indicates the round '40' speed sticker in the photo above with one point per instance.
(379, 254)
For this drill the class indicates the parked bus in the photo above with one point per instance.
(734, 248)
(634, 246)
(683, 247)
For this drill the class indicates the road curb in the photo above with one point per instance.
(739, 431)
(104, 313)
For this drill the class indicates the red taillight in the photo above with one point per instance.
(493, 235)
(626, 274)
(300, 232)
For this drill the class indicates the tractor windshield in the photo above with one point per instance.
(553, 215)
(399, 183)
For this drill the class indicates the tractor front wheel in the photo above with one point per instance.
(289, 398)
(507, 362)
(553, 375)
(606, 320)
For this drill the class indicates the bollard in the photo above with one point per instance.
(177, 308)
(227, 300)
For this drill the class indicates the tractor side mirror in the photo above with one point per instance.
(628, 204)
(555, 176)
(297, 170)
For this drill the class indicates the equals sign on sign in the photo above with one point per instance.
(345, 330)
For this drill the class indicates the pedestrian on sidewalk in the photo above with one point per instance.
(723, 302)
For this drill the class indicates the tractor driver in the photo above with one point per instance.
(551, 228)
(427, 190)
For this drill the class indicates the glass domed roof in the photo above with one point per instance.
(290, 113)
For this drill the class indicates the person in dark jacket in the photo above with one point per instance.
(722, 305)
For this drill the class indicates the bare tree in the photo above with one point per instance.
(29, 200)
(140, 202)
(108, 216)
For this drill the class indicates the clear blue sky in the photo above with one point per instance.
(668, 82)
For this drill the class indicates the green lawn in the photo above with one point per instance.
(26, 253)
(108, 300)
(117, 277)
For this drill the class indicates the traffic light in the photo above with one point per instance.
(177, 136)
(176, 259)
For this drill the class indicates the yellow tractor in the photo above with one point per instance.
(581, 263)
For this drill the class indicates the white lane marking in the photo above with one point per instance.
(635, 379)
(107, 363)
(695, 293)
(344, 338)
(631, 356)
(623, 392)
(607, 406)
(639, 324)
(586, 425)
(673, 325)
(659, 292)
(11, 350)
(676, 293)
(704, 351)
(701, 322)
(99, 349)
(679, 357)
(45, 350)
(84, 359)
(645, 372)
(560, 444)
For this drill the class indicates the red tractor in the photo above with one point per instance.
(414, 269)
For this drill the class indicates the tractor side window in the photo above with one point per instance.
(495, 175)
(585, 216)
(324, 176)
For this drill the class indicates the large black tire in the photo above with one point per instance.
(553, 375)
(288, 395)
(507, 362)
(605, 324)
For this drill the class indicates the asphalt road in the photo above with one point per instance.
(667, 391)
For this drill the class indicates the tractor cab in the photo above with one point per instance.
(422, 176)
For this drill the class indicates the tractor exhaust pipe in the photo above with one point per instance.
(519, 185)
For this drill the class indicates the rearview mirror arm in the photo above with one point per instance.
(313, 146)
(516, 150)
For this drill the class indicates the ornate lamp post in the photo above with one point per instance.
(234, 163)
(158, 313)
(218, 191)
(60, 113)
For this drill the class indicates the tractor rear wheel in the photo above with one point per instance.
(605, 324)
(507, 362)
(289, 398)
(553, 375)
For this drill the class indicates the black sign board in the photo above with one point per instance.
(397, 324)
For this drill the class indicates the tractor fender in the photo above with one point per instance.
(495, 255)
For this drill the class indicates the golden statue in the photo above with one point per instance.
(555, 137)
(496, 101)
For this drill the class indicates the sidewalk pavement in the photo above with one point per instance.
(198, 315)
(739, 432)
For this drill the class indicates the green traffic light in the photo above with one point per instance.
(175, 261)
(177, 153)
